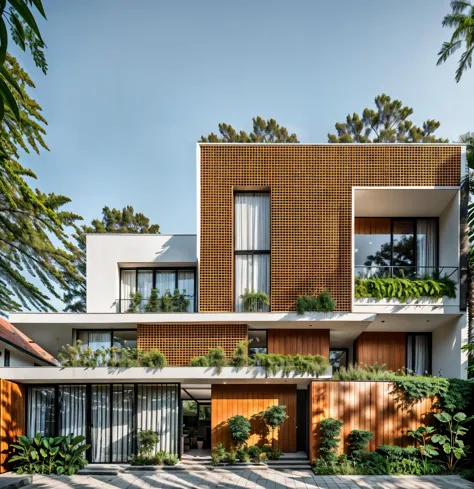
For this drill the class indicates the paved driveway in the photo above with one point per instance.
(258, 479)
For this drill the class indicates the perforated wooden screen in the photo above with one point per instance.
(311, 199)
(180, 343)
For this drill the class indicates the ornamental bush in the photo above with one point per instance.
(311, 303)
(358, 441)
(239, 428)
(330, 431)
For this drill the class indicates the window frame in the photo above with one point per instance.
(429, 335)
(266, 336)
(154, 270)
(6, 357)
(415, 235)
(103, 330)
(345, 350)
(251, 252)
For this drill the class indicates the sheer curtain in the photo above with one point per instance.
(128, 287)
(41, 411)
(100, 429)
(165, 281)
(426, 246)
(101, 339)
(186, 283)
(72, 410)
(122, 422)
(145, 284)
(418, 354)
(157, 410)
(252, 233)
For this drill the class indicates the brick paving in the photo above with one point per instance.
(248, 479)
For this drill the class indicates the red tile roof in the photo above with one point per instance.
(13, 336)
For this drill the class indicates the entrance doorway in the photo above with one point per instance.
(302, 420)
(196, 419)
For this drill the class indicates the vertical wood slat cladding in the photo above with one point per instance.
(180, 343)
(302, 341)
(12, 418)
(364, 405)
(311, 210)
(250, 400)
(372, 225)
(382, 348)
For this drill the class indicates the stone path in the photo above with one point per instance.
(248, 479)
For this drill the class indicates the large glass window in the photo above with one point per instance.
(163, 280)
(257, 341)
(252, 247)
(403, 247)
(419, 353)
(41, 411)
(72, 410)
(338, 357)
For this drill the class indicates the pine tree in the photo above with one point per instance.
(113, 221)
(263, 132)
(387, 124)
(29, 219)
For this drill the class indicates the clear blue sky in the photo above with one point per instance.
(133, 84)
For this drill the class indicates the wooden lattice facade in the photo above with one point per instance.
(180, 343)
(311, 210)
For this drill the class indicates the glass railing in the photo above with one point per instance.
(181, 303)
(406, 271)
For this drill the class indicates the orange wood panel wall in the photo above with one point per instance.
(366, 406)
(372, 225)
(375, 347)
(302, 341)
(12, 417)
(249, 401)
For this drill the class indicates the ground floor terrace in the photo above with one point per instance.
(109, 406)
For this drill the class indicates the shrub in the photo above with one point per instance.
(274, 417)
(153, 304)
(273, 363)
(330, 430)
(218, 453)
(262, 458)
(275, 454)
(254, 451)
(135, 302)
(217, 359)
(147, 440)
(153, 358)
(393, 453)
(240, 357)
(310, 303)
(171, 460)
(215, 459)
(239, 428)
(199, 362)
(48, 455)
(254, 301)
(364, 372)
(231, 457)
(243, 454)
(358, 441)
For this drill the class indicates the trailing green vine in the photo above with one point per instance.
(404, 289)
(272, 363)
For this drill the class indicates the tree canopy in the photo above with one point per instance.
(34, 246)
(112, 221)
(461, 19)
(263, 132)
(387, 123)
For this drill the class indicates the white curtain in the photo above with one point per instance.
(101, 339)
(41, 411)
(127, 287)
(157, 410)
(252, 221)
(186, 283)
(165, 281)
(418, 354)
(426, 246)
(145, 284)
(100, 430)
(122, 422)
(72, 410)
(251, 272)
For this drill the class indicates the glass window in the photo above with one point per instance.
(252, 246)
(128, 287)
(95, 339)
(419, 353)
(125, 339)
(186, 286)
(372, 245)
(165, 281)
(41, 411)
(403, 248)
(257, 341)
(338, 357)
(72, 410)
(145, 284)
(426, 246)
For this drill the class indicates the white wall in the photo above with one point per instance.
(17, 358)
(448, 358)
(449, 233)
(106, 252)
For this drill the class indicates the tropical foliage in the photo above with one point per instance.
(388, 123)
(461, 19)
(273, 363)
(255, 301)
(263, 132)
(312, 303)
(404, 289)
(48, 455)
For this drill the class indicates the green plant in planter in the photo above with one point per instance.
(451, 442)
(358, 441)
(147, 440)
(273, 363)
(330, 431)
(254, 301)
(153, 358)
(199, 362)
(311, 303)
(171, 459)
(135, 302)
(153, 304)
(216, 357)
(239, 428)
(240, 357)
(243, 454)
(274, 417)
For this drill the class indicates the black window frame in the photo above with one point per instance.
(252, 252)
(154, 270)
(256, 329)
(345, 350)
(411, 335)
(103, 330)
(415, 236)
(6, 357)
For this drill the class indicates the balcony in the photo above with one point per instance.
(176, 302)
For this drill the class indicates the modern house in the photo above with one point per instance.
(286, 220)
